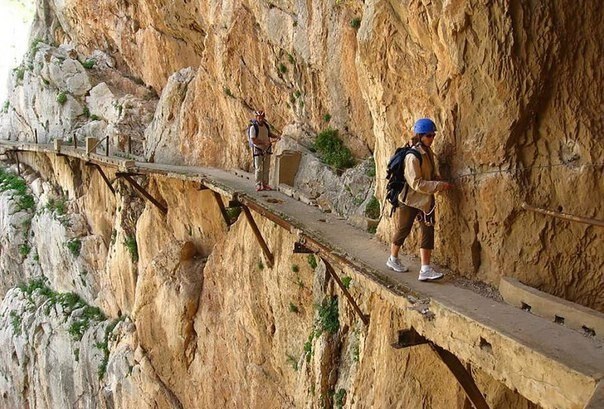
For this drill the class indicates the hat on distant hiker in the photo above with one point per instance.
(259, 113)
(424, 125)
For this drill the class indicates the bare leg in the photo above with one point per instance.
(425, 255)
(394, 249)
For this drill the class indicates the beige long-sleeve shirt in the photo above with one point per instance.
(421, 180)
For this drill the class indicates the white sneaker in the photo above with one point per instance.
(429, 274)
(393, 263)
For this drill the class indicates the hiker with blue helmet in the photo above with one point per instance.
(417, 200)
(261, 140)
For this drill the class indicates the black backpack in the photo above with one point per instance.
(396, 175)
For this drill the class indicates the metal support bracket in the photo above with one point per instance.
(105, 178)
(331, 272)
(220, 204)
(141, 190)
(269, 257)
(300, 248)
(410, 337)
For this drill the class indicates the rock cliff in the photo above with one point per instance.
(189, 314)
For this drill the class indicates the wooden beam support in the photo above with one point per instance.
(142, 191)
(105, 178)
(269, 257)
(331, 271)
(220, 204)
(463, 376)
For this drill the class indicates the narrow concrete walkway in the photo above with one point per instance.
(547, 363)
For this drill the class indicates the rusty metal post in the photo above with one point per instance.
(18, 164)
(105, 178)
(223, 211)
(129, 144)
(36, 135)
(269, 257)
(142, 191)
(75, 141)
(107, 146)
(331, 271)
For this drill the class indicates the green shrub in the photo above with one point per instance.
(89, 63)
(74, 246)
(312, 261)
(308, 346)
(355, 23)
(327, 117)
(372, 229)
(293, 308)
(33, 47)
(15, 321)
(356, 351)
(339, 398)
(130, 243)
(346, 281)
(372, 210)
(94, 117)
(371, 170)
(292, 361)
(33, 285)
(297, 94)
(332, 150)
(61, 97)
(86, 112)
(10, 181)
(104, 345)
(282, 68)
(233, 213)
(24, 249)
(228, 92)
(295, 268)
(57, 205)
(19, 73)
(260, 265)
(328, 315)
(5, 106)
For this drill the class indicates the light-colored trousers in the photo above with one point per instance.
(262, 165)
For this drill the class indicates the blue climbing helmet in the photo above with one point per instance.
(424, 125)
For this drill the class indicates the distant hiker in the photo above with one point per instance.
(261, 141)
(417, 200)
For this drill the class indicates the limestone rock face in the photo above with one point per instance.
(512, 87)
(55, 97)
(162, 134)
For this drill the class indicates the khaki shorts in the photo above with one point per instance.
(404, 218)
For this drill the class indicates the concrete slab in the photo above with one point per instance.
(555, 309)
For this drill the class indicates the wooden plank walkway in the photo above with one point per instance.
(547, 363)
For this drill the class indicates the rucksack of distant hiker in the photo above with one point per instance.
(395, 174)
(254, 125)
